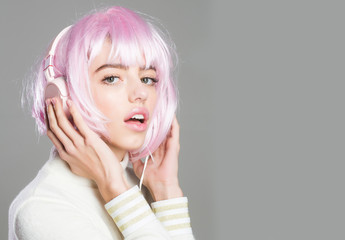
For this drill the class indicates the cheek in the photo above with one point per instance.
(107, 102)
(153, 100)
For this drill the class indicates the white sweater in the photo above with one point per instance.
(59, 204)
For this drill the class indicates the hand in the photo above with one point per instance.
(85, 152)
(161, 175)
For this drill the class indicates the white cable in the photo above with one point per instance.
(145, 164)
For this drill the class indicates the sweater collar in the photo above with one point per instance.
(61, 169)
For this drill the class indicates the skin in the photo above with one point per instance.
(98, 159)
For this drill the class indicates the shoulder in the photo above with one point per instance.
(38, 189)
(30, 217)
(41, 218)
(40, 209)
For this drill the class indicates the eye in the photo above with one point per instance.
(149, 81)
(110, 80)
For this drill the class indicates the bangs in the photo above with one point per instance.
(133, 42)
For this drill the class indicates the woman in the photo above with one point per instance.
(121, 108)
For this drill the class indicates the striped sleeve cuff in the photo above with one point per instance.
(174, 215)
(130, 211)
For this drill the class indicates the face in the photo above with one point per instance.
(125, 95)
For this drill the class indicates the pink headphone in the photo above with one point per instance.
(56, 87)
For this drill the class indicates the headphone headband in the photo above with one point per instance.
(49, 65)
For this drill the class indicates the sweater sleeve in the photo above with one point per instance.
(174, 215)
(135, 219)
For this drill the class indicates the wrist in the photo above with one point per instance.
(112, 189)
(162, 191)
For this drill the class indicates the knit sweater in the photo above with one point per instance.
(59, 204)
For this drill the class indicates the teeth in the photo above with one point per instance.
(138, 116)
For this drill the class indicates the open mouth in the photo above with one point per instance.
(137, 118)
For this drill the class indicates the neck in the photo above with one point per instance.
(119, 153)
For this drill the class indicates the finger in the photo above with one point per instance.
(172, 145)
(66, 125)
(46, 116)
(78, 120)
(58, 145)
(173, 142)
(175, 128)
(54, 127)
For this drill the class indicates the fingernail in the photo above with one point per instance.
(53, 101)
(47, 102)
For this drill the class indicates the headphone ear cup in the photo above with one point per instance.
(58, 88)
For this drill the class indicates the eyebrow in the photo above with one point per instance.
(120, 66)
(110, 66)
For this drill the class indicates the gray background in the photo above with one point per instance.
(262, 110)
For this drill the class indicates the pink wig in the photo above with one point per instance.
(132, 38)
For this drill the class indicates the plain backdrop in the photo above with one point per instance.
(261, 112)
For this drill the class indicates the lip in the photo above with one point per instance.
(137, 126)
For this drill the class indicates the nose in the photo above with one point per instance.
(137, 91)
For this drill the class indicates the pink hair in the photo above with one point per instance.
(131, 37)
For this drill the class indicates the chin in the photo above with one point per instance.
(130, 143)
(135, 145)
